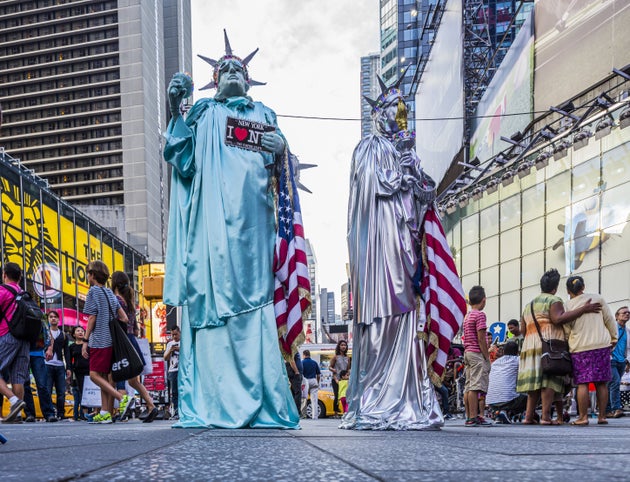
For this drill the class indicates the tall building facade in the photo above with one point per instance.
(556, 196)
(370, 69)
(327, 306)
(83, 91)
(403, 44)
(312, 328)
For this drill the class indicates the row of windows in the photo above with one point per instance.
(49, 27)
(71, 163)
(95, 122)
(67, 110)
(64, 39)
(53, 83)
(52, 64)
(85, 176)
(62, 52)
(44, 16)
(84, 104)
(103, 187)
(18, 144)
(80, 121)
(96, 133)
(75, 94)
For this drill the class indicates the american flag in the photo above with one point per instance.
(442, 291)
(292, 290)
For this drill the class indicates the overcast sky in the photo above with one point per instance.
(310, 58)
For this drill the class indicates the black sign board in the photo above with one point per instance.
(246, 134)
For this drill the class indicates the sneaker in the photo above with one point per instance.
(502, 418)
(98, 418)
(52, 419)
(150, 416)
(448, 416)
(14, 413)
(482, 422)
(471, 422)
(30, 419)
(123, 406)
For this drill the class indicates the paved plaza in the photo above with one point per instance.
(319, 451)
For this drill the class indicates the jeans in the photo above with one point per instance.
(313, 389)
(335, 387)
(443, 391)
(614, 396)
(40, 374)
(57, 377)
(173, 390)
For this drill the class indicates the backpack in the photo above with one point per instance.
(26, 322)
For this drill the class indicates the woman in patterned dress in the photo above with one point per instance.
(550, 314)
(590, 340)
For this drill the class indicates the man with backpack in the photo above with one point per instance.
(13, 352)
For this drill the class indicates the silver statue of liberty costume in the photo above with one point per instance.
(389, 386)
(219, 258)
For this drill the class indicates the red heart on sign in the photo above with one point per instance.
(240, 133)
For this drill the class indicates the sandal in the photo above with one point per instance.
(579, 424)
(602, 422)
(529, 422)
(549, 422)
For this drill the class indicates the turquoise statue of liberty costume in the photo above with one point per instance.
(220, 252)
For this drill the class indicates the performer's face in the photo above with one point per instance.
(232, 79)
(387, 117)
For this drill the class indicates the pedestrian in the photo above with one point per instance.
(100, 303)
(443, 391)
(514, 329)
(344, 375)
(80, 369)
(58, 366)
(171, 356)
(550, 315)
(339, 362)
(40, 350)
(14, 357)
(502, 397)
(295, 372)
(620, 363)
(590, 337)
(220, 253)
(476, 358)
(125, 295)
(312, 375)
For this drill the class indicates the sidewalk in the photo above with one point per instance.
(320, 451)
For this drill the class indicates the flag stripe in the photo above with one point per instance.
(443, 294)
(292, 283)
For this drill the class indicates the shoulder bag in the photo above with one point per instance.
(126, 362)
(556, 359)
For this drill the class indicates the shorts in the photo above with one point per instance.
(477, 372)
(101, 359)
(14, 359)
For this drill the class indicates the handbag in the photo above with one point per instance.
(555, 359)
(126, 362)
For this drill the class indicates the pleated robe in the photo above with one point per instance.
(219, 269)
(389, 388)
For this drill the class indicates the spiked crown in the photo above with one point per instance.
(229, 55)
(387, 93)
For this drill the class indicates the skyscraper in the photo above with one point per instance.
(369, 87)
(401, 26)
(312, 274)
(83, 94)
